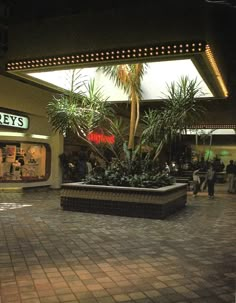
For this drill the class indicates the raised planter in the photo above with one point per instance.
(124, 201)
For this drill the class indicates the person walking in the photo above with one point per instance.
(196, 182)
(81, 165)
(211, 180)
(230, 171)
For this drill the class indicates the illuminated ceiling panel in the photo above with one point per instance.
(154, 84)
(167, 62)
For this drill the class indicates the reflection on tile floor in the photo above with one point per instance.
(7, 206)
(49, 255)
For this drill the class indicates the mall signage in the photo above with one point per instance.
(13, 120)
(100, 138)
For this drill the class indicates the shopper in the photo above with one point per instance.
(211, 179)
(196, 182)
(230, 171)
(81, 165)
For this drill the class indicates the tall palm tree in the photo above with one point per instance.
(129, 78)
(180, 109)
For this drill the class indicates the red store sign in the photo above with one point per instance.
(100, 138)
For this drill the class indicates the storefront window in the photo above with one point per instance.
(26, 161)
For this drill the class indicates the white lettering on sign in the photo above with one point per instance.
(11, 120)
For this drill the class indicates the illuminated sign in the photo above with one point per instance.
(101, 138)
(12, 120)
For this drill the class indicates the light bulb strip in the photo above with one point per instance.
(213, 126)
(165, 49)
(215, 68)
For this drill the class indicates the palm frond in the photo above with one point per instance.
(180, 109)
(82, 109)
(128, 77)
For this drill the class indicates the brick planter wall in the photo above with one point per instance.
(124, 201)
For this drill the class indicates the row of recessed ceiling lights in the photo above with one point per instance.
(182, 48)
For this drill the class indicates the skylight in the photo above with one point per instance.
(154, 84)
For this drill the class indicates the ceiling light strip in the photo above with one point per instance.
(165, 49)
(215, 68)
(213, 126)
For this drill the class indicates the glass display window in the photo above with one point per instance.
(24, 161)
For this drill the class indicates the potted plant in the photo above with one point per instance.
(132, 184)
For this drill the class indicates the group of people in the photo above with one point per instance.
(76, 166)
(208, 181)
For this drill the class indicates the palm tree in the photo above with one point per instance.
(180, 109)
(81, 110)
(129, 78)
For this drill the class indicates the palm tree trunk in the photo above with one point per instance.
(210, 145)
(137, 114)
(196, 138)
(132, 121)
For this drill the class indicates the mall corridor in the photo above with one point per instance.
(48, 255)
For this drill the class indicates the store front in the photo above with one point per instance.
(29, 150)
(24, 161)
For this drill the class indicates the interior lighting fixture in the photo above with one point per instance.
(43, 137)
(215, 68)
(12, 134)
(154, 83)
(198, 52)
(213, 126)
(15, 134)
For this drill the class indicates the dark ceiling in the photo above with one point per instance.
(25, 9)
(220, 16)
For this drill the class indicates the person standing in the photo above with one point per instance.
(196, 182)
(81, 165)
(230, 171)
(211, 180)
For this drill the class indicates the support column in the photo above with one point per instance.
(57, 146)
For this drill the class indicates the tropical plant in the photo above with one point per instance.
(133, 171)
(129, 78)
(179, 110)
(81, 109)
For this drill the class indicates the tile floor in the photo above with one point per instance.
(48, 255)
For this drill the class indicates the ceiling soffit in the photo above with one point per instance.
(198, 51)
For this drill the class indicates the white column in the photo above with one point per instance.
(57, 148)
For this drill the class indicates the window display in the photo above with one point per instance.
(26, 161)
